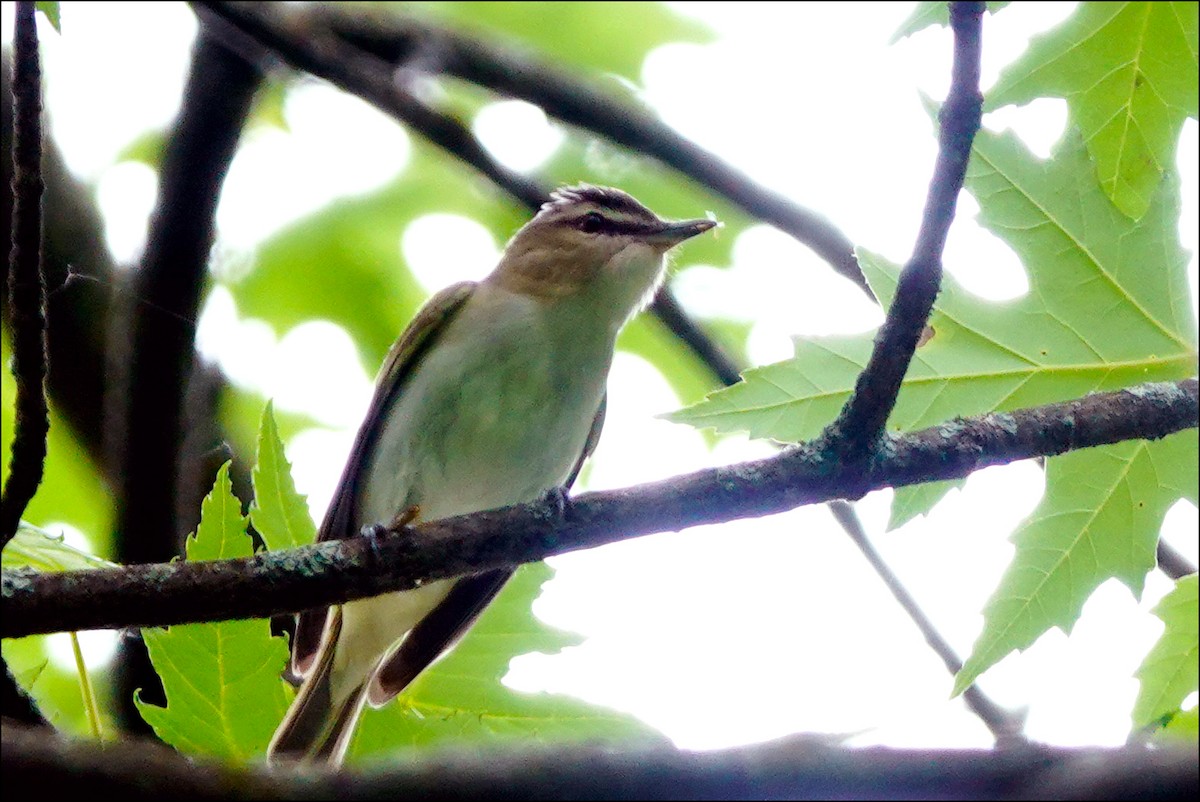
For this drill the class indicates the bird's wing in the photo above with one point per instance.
(430, 321)
(449, 621)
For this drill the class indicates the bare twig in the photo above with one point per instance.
(26, 280)
(1004, 726)
(337, 571)
(860, 424)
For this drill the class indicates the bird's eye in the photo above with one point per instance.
(591, 222)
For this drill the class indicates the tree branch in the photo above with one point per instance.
(860, 424)
(338, 571)
(1005, 727)
(317, 50)
(791, 768)
(1172, 563)
(154, 341)
(78, 272)
(408, 41)
(26, 280)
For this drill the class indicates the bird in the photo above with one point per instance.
(493, 395)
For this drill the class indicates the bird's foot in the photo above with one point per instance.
(406, 517)
(558, 501)
(403, 520)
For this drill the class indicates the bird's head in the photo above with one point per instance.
(595, 242)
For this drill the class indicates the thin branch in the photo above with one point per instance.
(1172, 563)
(790, 768)
(337, 571)
(667, 309)
(860, 423)
(1005, 727)
(406, 40)
(26, 280)
(79, 272)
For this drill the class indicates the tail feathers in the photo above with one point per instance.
(435, 634)
(318, 726)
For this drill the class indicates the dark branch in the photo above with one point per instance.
(79, 275)
(1005, 727)
(1172, 563)
(26, 280)
(407, 41)
(667, 309)
(164, 299)
(360, 73)
(860, 424)
(154, 340)
(793, 768)
(337, 571)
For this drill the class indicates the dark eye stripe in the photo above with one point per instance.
(597, 223)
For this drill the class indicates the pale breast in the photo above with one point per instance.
(496, 413)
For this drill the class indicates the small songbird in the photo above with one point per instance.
(493, 395)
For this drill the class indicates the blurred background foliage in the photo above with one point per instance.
(343, 263)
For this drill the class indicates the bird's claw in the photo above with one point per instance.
(557, 500)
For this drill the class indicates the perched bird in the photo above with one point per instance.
(493, 395)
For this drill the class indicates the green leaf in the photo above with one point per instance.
(461, 700)
(612, 37)
(1082, 255)
(146, 148)
(1100, 518)
(51, 12)
(909, 502)
(222, 680)
(1170, 671)
(928, 14)
(278, 512)
(40, 550)
(54, 690)
(71, 493)
(241, 415)
(1128, 72)
(269, 102)
(1183, 726)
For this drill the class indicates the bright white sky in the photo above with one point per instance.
(718, 635)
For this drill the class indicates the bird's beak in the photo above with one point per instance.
(672, 234)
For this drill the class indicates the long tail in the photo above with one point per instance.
(318, 727)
